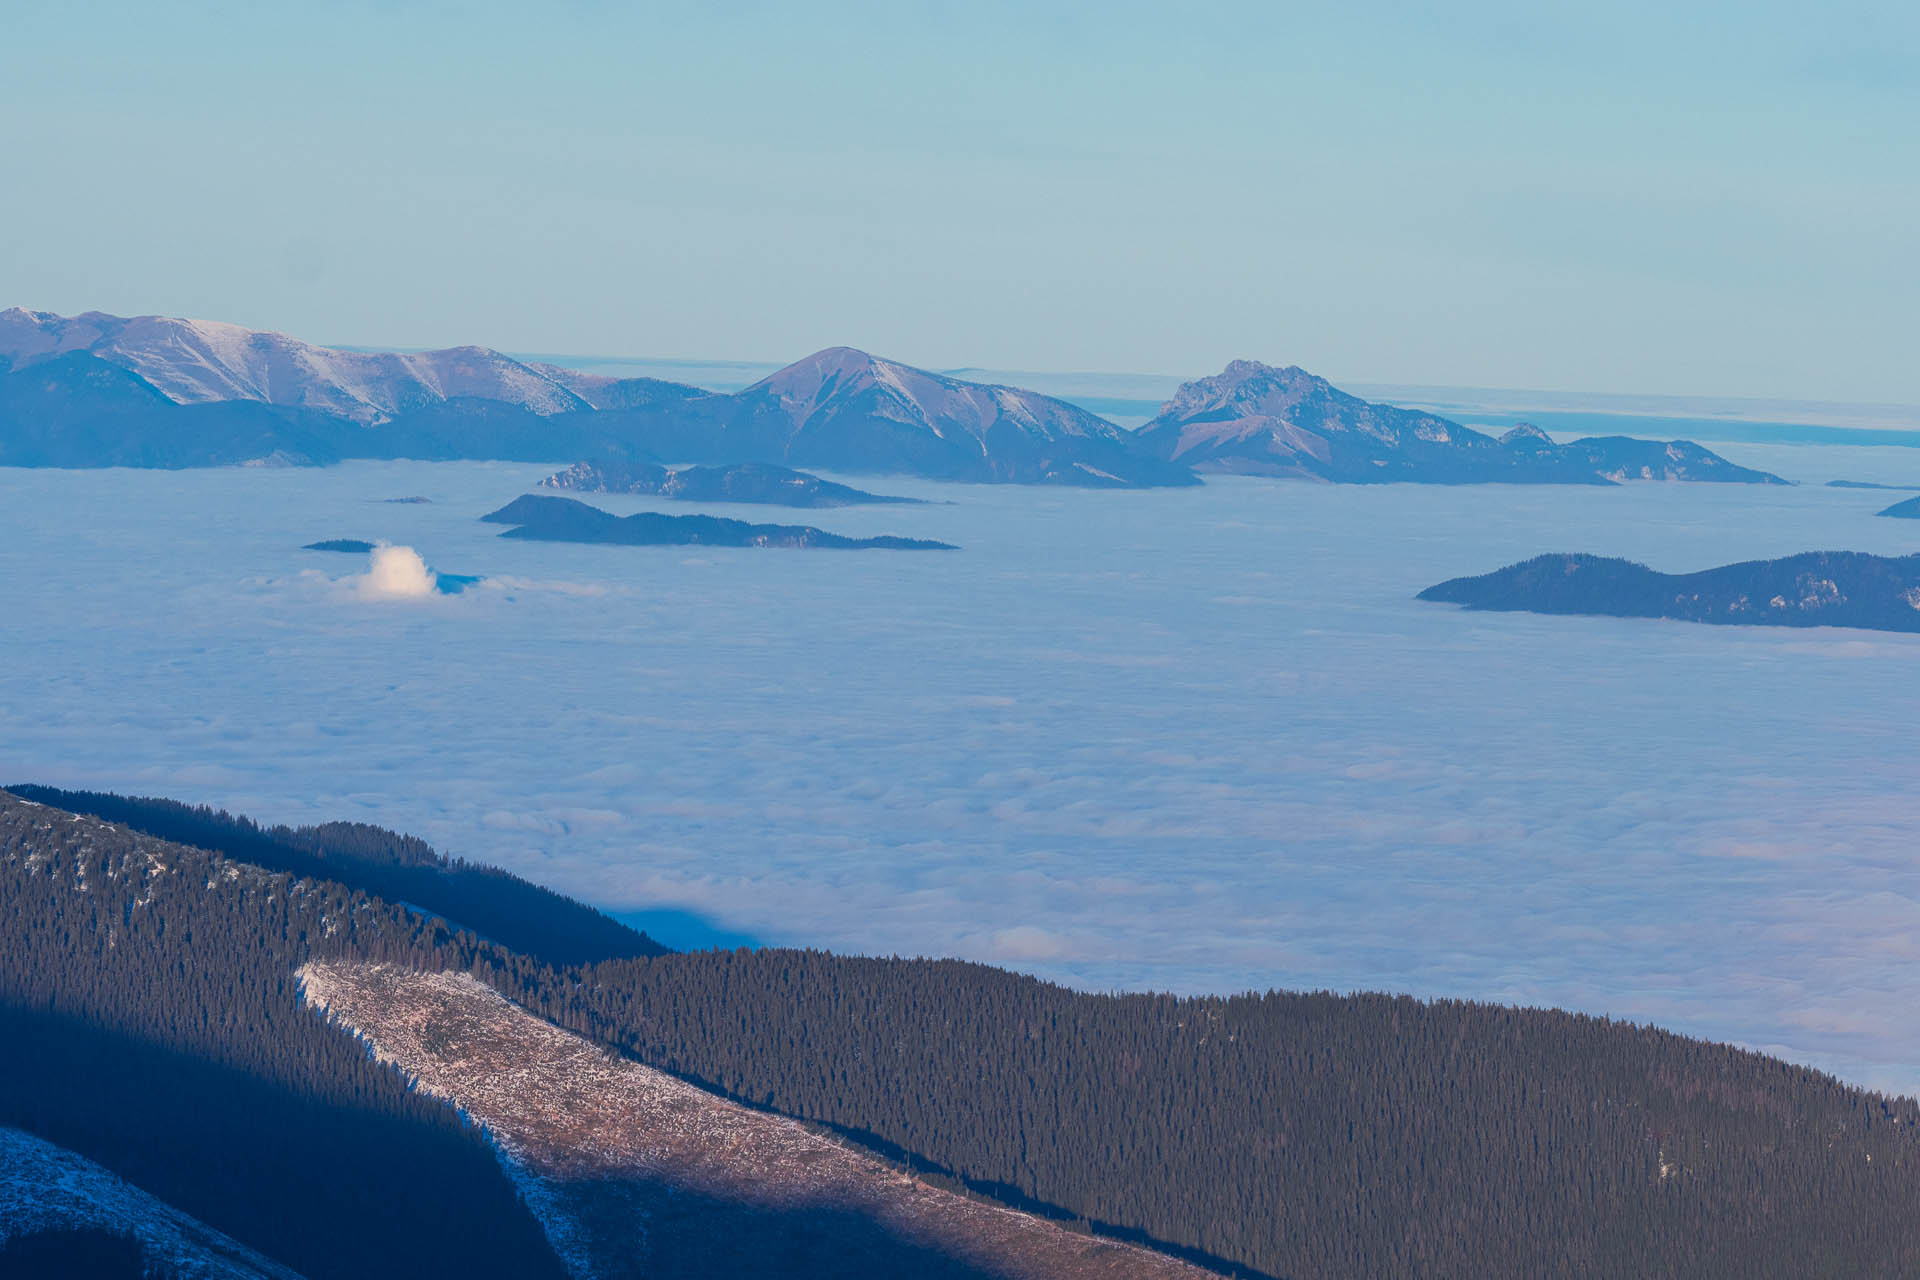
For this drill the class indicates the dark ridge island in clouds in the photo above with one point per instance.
(544, 519)
(1818, 589)
(753, 483)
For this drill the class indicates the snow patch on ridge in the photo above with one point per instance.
(44, 1187)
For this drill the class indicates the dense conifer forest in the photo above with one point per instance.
(149, 1021)
(80, 1253)
(1295, 1135)
(495, 904)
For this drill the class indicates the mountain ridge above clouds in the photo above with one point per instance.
(1259, 419)
(209, 361)
(103, 390)
(847, 410)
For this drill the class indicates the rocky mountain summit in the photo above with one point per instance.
(1256, 419)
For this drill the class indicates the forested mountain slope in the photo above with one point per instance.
(1279, 1134)
(150, 1021)
(518, 915)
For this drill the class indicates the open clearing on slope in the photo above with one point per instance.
(635, 1172)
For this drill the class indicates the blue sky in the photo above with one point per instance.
(1625, 198)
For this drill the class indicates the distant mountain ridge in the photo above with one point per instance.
(101, 390)
(1257, 419)
(209, 361)
(845, 410)
(154, 391)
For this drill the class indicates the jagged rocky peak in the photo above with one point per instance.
(1527, 436)
(1244, 383)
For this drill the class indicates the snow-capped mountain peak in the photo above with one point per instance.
(201, 361)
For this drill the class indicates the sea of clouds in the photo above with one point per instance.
(1191, 740)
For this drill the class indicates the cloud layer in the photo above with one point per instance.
(1198, 740)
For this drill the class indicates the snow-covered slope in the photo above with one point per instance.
(815, 390)
(603, 392)
(846, 410)
(44, 1187)
(202, 361)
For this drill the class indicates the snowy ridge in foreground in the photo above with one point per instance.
(48, 1188)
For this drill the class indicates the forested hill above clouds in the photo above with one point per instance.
(1277, 1135)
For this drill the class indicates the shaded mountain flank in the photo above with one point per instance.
(745, 482)
(1817, 589)
(150, 1020)
(544, 519)
(1256, 419)
(1907, 510)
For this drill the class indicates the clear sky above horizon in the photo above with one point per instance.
(1608, 198)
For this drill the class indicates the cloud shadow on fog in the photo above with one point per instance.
(684, 930)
